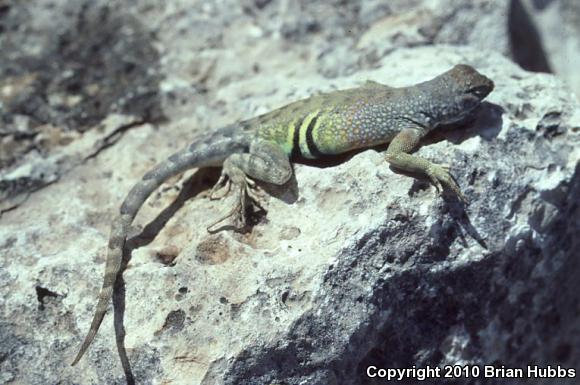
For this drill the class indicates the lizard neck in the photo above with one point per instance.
(438, 102)
(416, 106)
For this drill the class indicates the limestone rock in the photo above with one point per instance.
(558, 24)
(355, 265)
(363, 267)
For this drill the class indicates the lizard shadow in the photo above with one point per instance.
(118, 315)
(485, 122)
(202, 180)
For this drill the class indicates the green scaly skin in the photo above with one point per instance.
(326, 124)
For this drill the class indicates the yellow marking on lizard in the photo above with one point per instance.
(302, 140)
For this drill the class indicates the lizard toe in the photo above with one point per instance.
(223, 182)
(440, 176)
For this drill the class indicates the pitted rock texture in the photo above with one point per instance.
(362, 267)
(68, 66)
(355, 265)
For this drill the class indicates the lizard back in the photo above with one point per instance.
(325, 123)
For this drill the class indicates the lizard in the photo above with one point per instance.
(262, 148)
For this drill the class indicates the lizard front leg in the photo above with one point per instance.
(265, 162)
(398, 155)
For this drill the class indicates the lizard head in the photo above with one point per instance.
(458, 92)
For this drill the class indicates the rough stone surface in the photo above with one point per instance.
(68, 65)
(356, 265)
(558, 24)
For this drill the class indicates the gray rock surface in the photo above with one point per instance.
(558, 24)
(69, 65)
(356, 266)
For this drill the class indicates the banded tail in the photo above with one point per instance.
(210, 152)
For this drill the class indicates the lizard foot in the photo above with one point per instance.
(225, 183)
(439, 175)
(246, 195)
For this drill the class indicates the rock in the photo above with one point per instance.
(62, 75)
(66, 69)
(355, 266)
(480, 23)
(363, 267)
(558, 24)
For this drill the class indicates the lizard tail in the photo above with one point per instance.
(119, 230)
(199, 154)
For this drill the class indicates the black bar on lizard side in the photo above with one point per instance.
(296, 140)
(314, 151)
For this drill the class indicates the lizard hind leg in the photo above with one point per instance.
(265, 162)
(232, 175)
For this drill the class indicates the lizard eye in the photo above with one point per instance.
(480, 91)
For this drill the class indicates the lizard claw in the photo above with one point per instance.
(436, 183)
(223, 181)
(250, 183)
(254, 193)
(246, 195)
(439, 175)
